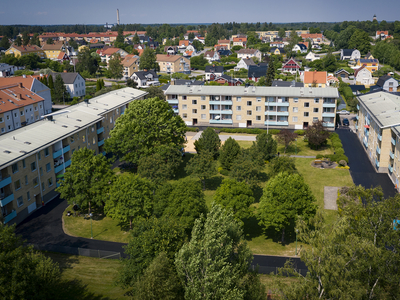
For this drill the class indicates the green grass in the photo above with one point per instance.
(98, 275)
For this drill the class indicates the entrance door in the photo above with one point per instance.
(305, 125)
(194, 122)
(38, 200)
(248, 123)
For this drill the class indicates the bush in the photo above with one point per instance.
(220, 169)
(192, 129)
(224, 172)
(342, 163)
(319, 156)
(337, 145)
(90, 83)
(300, 132)
(249, 130)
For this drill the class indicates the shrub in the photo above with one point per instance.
(192, 129)
(339, 151)
(220, 169)
(300, 132)
(342, 163)
(319, 156)
(224, 172)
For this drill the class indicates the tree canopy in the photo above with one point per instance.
(208, 141)
(148, 60)
(230, 150)
(316, 134)
(202, 166)
(115, 67)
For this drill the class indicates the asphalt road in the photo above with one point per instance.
(361, 169)
(44, 227)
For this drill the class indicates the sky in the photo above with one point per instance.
(50, 12)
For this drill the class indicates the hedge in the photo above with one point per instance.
(249, 130)
(192, 129)
(300, 132)
(338, 148)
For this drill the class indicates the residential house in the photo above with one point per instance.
(145, 78)
(74, 83)
(130, 64)
(225, 43)
(18, 107)
(240, 41)
(382, 34)
(315, 79)
(224, 52)
(32, 83)
(107, 53)
(212, 56)
(349, 54)
(183, 44)
(253, 106)
(8, 70)
(256, 72)
(173, 63)
(316, 38)
(277, 51)
(153, 45)
(291, 66)
(369, 56)
(33, 158)
(52, 51)
(228, 80)
(311, 56)
(282, 83)
(248, 53)
(244, 63)
(62, 56)
(200, 39)
(171, 50)
(18, 51)
(212, 72)
(371, 64)
(356, 89)
(300, 48)
(305, 44)
(342, 74)
(332, 81)
(386, 83)
(279, 45)
(364, 76)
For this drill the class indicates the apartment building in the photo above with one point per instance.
(34, 157)
(378, 129)
(173, 63)
(18, 107)
(256, 107)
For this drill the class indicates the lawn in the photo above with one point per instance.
(98, 275)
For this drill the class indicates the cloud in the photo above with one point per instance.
(42, 13)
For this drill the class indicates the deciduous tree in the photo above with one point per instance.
(230, 150)
(59, 93)
(115, 67)
(281, 164)
(265, 145)
(316, 134)
(286, 137)
(148, 60)
(202, 166)
(208, 141)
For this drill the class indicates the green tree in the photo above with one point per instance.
(270, 73)
(342, 42)
(35, 40)
(25, 38)
(282, 32)
(247, 167)
(212, 271)
(4, 42)
(202, 166)
(115, 67)
(265, 145)
(285, 198)
(329, 62)
(136, 39)
(59, 93)
(87, 62)
(230, 150)
(98, 85)
(119, 41)
(281, 164)
(159, 281)
(49, 41)
(236, 196)
(130, 198)
(316, 134)
(155, 91)
(51, 82)
(18, 41)
(146, 125)
(286, 138)
(148, 60)
(131, 83)
(149, 238)
(208, 141)
(87, 180)
(360, 40)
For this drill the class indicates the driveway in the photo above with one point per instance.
(361, 169)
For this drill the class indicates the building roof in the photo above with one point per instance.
(383, 107)
(129, 60)
(311, 35)
(359, 69)
(357, 87)
(247, 51)
(61, 55)
(25, 141)
(209, 53)
(240, 39)
(143, 74)
(224, 41)
(225, 52)
(315, 77)
(347, 52)
(15, 96)
(182, 82)
(257, 71)
(289, 64)
(68, 77)
(28, 48)
(168, 58)
(341, 71)
(287, 83)
(55, 46)
(368, 61)
(214, 69)
(184, 43)
(383, 79)
(302, 46)
(108, 51)
(253, 91)
(281, 50)
(304, 43)
(249, 61)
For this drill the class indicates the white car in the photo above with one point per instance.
(343, 112)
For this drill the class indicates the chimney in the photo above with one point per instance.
(20, 96)
(20, 85)
(24, 76)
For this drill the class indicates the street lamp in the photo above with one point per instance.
(296, 240)
(91, 227)
(296, 148)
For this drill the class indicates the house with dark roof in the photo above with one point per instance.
(292, 83)
(248, 53)
(226, 79)
(213, 72)
(386, 83)
(171, 50)
(257, 71)
(357, 88)
(300, 48)
(244, 63)
(342, 73)
(277, 51)
(349, 54)
(224, 52)
(74, 83)
(145, 78)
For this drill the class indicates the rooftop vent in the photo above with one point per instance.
(6, 151)
(28, 143)
(24, 152)
(65, 126)
(79, 120)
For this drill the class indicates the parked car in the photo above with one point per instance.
(343, 112)
(346, 122)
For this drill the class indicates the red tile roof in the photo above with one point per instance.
(15, 96)
(315, 77)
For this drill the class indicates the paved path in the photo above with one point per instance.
(361, 169)
(44, 227)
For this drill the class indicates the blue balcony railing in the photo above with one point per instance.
(5, 181)
(100, 143)
(393, 142)
(6, 200)
(100, 130)
(379, 137)
(59, 168)
(10, 216)
(67, 163)
(276, 123)
(66, 148)
(378, 150)
(227, 121)
(391, 154)
(390, 167)
(57, 153)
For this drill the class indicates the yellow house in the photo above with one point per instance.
(370, 64)
(277, 51)
(173, 63)
(130, 64)
(18, 51)
(52, 50)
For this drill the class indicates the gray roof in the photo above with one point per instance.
(249, 62)
(383, 79)
(27, 140)
(356, 87)
(347, 52)
(253, 91)
(142, 74)
(383, 107)
(68, 78)
(214, 69)
(257, 71)
(287, 83)
(182, 82)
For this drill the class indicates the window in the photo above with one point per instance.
(258, 99)
(20, 201)
(111, 120)
(28, 196)
(184, 106)
(183, 97)
(194, 102)
(72, 139)
(238, 108)
(17, 184)
(249, 112)
(83, 138)
(22, 112)
(43, 186)
(23, 163)
(41, 171)
(194, 111)
(35, 182)
(184, 116)
(203, 107)
(316, 109)
(39, 156)
(50, 181)
(46, 152)
(295, 109)
(238, 99)
(258, 108)
(14, 168)
(48, 167)
(1, 120)
(306, 104)
(316, 100)
(3, 130)
(248, 103)
(26, 179)
(93, 125)
(8, 117)
(203, 116)
(203, 98)
(72, 151)
(94, 140)
(294, 119)
(315, 119)
(258, 118)
(306, 114)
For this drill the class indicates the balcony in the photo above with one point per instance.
(223, 112)
(356, 127)
(173, 101)
(390, 167)
(10, 216)
(357, 118)
(331, 105)
(5, 181)
(329, 124)
(378, 150)
(226, 121)
(59, 168)
(358, 107)
(175, 110)
(365, 143)
(393, 142)
(328, 114)
(277, 103)
(4, 201)
(100, 143)
(100, 130)
(379, 137)
(391, 154)
(222, 102)
(67, 163)
(57, 153)
(377, 163)
(277, 123)
(66, 148)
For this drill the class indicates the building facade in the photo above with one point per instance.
(34, 157)
(255, 107)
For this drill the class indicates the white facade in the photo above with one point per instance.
(256, 53)
(311, 56)
(12, 118)
(241, 65)
(77, 88)
(364, 77)
(44, 92)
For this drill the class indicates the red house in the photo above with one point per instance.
(291, 66)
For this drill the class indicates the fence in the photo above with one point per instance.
(78, 251)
